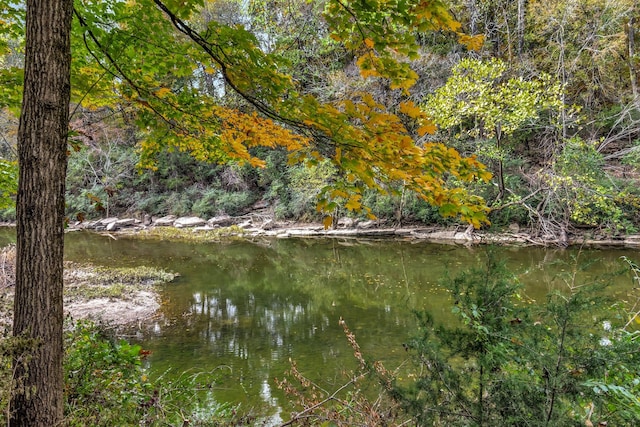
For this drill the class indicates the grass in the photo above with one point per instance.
(189, 234)
(87, 282)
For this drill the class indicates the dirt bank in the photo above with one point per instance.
(113, 296)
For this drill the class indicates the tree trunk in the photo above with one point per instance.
(42, 152)
(631, 36)
(520, 26)
(472, 9)
(492, 29)
(500, 165)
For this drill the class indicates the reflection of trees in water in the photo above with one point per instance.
(239, 331)
(253, 306)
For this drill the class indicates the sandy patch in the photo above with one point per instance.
(138, 307)
(113, 296)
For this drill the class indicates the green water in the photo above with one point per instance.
(248, 307)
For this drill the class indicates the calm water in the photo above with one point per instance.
(247, 307)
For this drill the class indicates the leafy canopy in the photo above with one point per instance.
(480, 100)
(149, 58)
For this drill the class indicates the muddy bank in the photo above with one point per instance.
(116, 297)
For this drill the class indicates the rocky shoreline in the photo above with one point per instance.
(261, 224)
(117, 301)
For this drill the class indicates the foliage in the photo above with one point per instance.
(400, 207)
(358, 135)
(8, 183)
(621, 384)
(383, 31)
(460, 365)
(305, 183)
(107, 384)
(582, 185)
(215, 202)
(584, 42)
(509, 363)
(479, 99)
(479, 102)
(303, 84)
(500, 361)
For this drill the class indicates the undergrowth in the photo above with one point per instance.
(107, 385)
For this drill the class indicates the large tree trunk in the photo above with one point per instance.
(42, 150)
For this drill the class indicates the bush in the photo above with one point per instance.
(107, 385)
(8, 214)
(294, 195)
(105, 382)
(509, 363)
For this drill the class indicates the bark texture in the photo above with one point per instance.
(42, 150)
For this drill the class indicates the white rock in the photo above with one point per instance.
(189, 221)
(107, 221)
(346, 222)
(366, 224)
(222, 220)
(125, 222)
(165, 221)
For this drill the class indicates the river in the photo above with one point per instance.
(246, 307)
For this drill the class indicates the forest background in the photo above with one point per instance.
(548, 102)
(374, 108)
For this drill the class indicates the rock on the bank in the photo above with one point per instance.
(269, 225)
(366, 224)
(107, 221)
(189, 221)
(346, 222)
(119, 223)
(165, 221)
(221, 221)
(126, 222)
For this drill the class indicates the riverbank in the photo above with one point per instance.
(115, 297)
(261, 224)
(120, 296)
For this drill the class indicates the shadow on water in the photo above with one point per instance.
(250, 306)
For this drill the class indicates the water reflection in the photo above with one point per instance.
(228, 326)
(251, 307)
